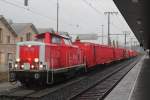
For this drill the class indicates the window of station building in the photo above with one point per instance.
(1, 35)
(56, 40)
(28, 36)
(2, 58)
(21, 39)
(8, 39)
(9, 56)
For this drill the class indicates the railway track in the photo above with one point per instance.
(92, 86)
(102, 88)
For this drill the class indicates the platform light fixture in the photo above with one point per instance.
(135, 1)
(141, 31)
(139, 22)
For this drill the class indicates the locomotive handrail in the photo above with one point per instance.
(52, 71)
(84, 61)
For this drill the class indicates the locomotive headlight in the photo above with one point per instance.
(16, 65)
(41, 66)
(36, 60)
(29, 45)
(18, 60)
(32, 66)
(22, 66)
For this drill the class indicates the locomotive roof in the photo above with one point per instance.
(30, 43)
(44, 30)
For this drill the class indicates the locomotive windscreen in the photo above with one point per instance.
(29, 53)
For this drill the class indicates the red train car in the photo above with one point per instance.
(104, 54)
(95, 53)
(132, 53)
(119, 53)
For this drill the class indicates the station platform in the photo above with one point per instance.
(135, 85)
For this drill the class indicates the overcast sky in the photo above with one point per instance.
(76, 16)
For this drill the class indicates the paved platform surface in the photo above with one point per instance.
(142, 88)
(126, 89)
(6, 86)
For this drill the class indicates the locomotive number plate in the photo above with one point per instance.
(26, 66)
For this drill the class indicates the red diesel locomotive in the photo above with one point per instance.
(52, 56)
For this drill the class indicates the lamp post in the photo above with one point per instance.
(57, 16)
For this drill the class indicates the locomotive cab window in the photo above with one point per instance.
(56, 40)
(67, 41)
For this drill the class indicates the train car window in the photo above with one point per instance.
(56, 40)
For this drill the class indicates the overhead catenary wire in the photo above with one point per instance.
(120, 23)
(13, 4)
(47, 17)
(99, 12)
(34, 12)
(92, 6)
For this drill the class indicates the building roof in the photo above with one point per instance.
(5, 22)
(90, 36)
(19, 27)
(43, 30)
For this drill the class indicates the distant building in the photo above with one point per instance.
(24, 31)
(91, 36)
(7, 44)
(43, 30)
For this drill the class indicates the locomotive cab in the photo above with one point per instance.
(53, 39)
